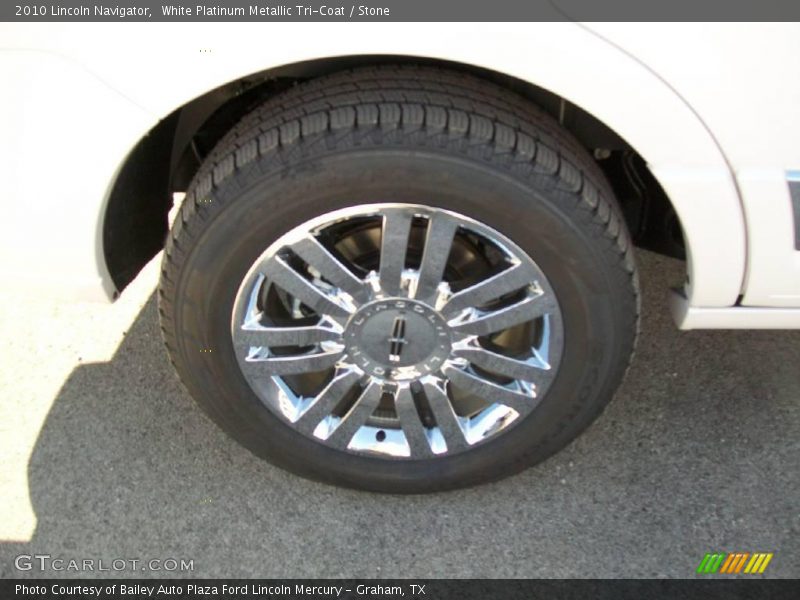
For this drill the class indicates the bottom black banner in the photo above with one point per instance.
(395, 589)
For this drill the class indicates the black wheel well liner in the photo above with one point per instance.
(164, 161)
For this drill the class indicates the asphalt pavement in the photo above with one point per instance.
(105, 456)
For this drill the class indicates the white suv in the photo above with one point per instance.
(404, 262)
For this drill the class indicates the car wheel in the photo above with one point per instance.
(400, 279)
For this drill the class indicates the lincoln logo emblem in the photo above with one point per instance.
(397, 340)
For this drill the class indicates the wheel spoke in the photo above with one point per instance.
(356, 417)
(513, 278)
(532, 370)
(284, 336)
(492, 321)
(316, 255)
(438, 241)
(394, 243)
(519, 400)
(291, 364)
(327, 400)
(298, 286)
(411, 423)
(446, 418)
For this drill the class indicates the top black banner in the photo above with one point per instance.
(402, 10)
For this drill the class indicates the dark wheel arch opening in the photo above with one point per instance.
(135, 223)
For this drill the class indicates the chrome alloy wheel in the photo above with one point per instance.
(402, 331)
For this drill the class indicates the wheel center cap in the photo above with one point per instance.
(397, 339)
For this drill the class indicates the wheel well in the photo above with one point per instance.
(165, 160)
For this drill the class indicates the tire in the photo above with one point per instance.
(337, 157)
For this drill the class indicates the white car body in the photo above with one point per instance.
(712, 108)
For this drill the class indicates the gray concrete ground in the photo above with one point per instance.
(105, 456)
